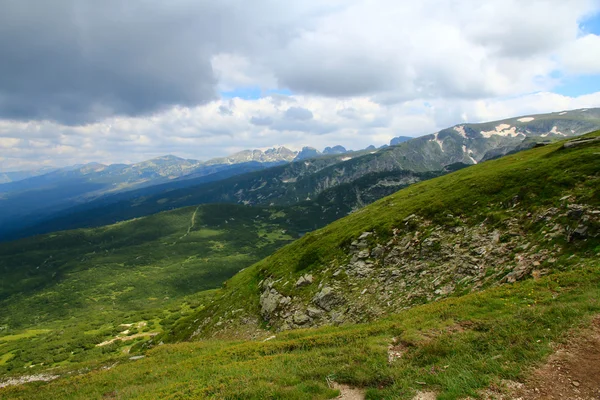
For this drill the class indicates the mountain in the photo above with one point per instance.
(335, 150)
(307, 179)
(307, 152)
(47, 194)
(457, 284)
(274, 155)
(400, 139)
(498, 222)
(6, 177)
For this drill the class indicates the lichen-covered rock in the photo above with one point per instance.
(327, 298)
(271, 300)
(300, 318)
(304, 280)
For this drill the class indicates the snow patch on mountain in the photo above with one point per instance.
(501, 130)
(438, 141)
(526, 119)
(461, 130)
(554, 131)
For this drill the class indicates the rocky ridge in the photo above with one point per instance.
(424, 261)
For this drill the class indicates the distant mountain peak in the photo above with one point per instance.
(270, 155)
(307, 152)
(400, 139)
(335, 150)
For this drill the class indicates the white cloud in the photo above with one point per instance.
(362, 72)
(203, 132)
(582, 56)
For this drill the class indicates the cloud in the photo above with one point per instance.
(202, 132)
(583, 55)
(114, 81)
(298, 113)
(80, 61)
(224, 110)
(261, 121)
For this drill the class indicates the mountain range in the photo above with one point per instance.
(459, 285)
(338, 182)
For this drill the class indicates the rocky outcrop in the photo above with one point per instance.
(426, 261)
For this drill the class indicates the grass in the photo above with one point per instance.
(62, 293)
(453, 347)
(24, 335)
(538, 177)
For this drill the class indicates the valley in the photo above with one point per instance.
(417, 292)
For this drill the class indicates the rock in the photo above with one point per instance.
(327, 298)
(365, 235)
(363, 254)
(378, 252)
(411, 216)
(575, 211)
(362, 245)
(580, 142)
(360, 268)
(337, 318)
(270, 300)
(314, 312)
(578, 233)
(444, 291)
(304, 280)
(496, 237)
(300, 318)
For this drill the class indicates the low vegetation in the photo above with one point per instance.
(541, 207)
(64, 293)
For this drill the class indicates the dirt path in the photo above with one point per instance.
(572, 372)
(192, 223)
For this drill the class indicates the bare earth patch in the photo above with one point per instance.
(425, 396)
(125, 338)
(571, 372)
(26, 379)
(349, 393)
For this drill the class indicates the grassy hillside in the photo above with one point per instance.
(534, 212)
(453, 347)
(63, 293)
(456, 282)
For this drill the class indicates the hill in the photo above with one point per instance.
(460, 283)
(500, 221)
(62, 294)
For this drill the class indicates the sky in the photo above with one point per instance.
(123, 81)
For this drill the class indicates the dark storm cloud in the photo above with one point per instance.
(77, 61)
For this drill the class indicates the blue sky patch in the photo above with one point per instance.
(578, 85)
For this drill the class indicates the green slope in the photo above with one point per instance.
(79, 286)
(530, 222)
(497, 221)
(453, 347)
